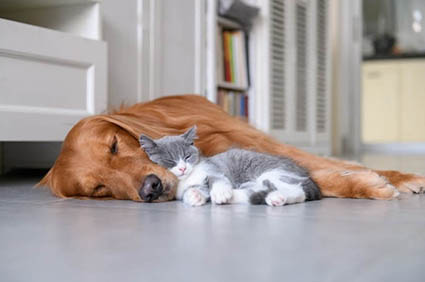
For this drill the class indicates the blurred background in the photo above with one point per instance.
(343, 78)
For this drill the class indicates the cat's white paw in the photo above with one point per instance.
(275, 199)
(221, 193)
(194, 198)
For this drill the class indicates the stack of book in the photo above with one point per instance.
(233, 102)
(232, 66)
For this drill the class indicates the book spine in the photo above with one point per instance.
(243, 56)
(235, 57)
(225, 102)
(220, 55)
(226, 52)
(231, 59)
(238, 104)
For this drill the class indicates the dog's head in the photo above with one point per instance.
(101, 158)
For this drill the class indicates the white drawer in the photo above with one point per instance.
(48, 81)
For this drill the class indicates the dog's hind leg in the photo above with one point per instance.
(354, 184)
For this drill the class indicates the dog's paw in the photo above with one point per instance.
(414, 185)
(194, 198)
(275, 199)
(221, 193)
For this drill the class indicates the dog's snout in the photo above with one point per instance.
(151, 188)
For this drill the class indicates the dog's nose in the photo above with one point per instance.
(151, 188)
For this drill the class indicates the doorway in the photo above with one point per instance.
(393, 76)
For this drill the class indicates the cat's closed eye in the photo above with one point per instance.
(187, 157)
(169, 163)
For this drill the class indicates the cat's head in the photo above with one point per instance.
(177, 153)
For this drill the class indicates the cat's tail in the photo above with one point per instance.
(311, 190)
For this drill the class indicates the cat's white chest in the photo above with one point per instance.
(197, 177)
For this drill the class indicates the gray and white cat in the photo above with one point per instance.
(234, 176)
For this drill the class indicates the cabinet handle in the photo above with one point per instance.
(373, 74)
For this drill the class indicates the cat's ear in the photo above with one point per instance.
(190, 135)
(147, 143)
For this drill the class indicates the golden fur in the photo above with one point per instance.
(86, 167)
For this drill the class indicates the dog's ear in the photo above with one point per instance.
(139, 124)
(127, 122)
(147, 143)
(190, 135)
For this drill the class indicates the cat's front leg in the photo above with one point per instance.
(221, 190)
(194, 197)
(196, 179)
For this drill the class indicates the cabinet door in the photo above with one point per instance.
(381, 103)
(413, 101)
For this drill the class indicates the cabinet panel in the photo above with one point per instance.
(380, 103)
(47, 83)
(412, 101)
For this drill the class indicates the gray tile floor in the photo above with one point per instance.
(43, 238)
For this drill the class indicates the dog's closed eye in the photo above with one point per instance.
(98, 188)
(114, 147)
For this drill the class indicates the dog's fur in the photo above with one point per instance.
(89, 167)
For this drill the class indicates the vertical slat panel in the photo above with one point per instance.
(277, 53)
(321, 37)
(301, 67)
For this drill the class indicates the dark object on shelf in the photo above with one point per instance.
(383, 44)
(238, 11)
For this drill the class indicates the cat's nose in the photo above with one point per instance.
(151, 188)
(182, 169)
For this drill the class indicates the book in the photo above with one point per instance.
(226, 56)
(233, 102)
(231, 57)
(220, 56)
(234, 58)
(242, 64)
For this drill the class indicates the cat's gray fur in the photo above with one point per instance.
(243, 168)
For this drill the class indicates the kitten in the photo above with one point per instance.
(234, 176)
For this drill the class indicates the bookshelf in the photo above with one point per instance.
(288, 69)
(228, 82)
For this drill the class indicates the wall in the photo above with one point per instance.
(181, 55)
(155, 48)
(124, 32)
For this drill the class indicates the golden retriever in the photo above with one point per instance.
(101, 156)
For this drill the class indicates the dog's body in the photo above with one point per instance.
(101, 156)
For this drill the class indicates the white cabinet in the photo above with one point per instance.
(412, 113)
(381, 103)
(50, 76)
(393, 101)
